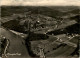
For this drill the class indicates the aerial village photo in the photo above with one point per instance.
(39, 28)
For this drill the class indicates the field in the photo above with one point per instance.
(27, 27)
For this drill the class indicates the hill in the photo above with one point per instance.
(34, 10)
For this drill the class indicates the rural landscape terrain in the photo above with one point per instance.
(40, 32)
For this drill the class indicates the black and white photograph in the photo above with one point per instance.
(39, 28)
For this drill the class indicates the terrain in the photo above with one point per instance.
(57, 26)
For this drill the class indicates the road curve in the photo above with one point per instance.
(16, 46)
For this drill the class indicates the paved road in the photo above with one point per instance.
(16, 46)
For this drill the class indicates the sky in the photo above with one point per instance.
(41, 2)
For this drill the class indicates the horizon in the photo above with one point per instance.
(40, 3)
